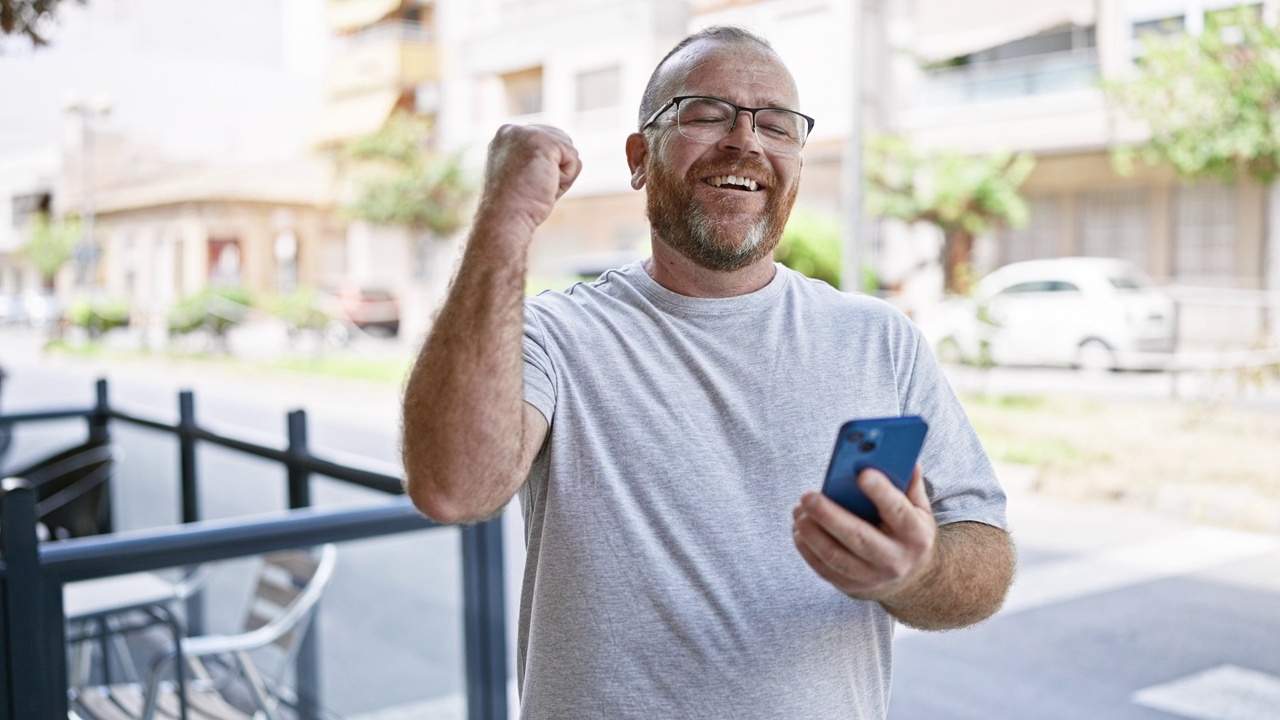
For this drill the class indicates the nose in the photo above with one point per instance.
(742, 136)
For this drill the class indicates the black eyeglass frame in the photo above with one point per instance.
(737, 112)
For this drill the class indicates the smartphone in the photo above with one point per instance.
(890, 445)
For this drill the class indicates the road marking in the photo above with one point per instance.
(1226, 692)
(1182, 554)
(1189, 552)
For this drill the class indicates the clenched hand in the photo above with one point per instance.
(860, 559)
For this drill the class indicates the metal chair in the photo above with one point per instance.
(289, 586)
(73, 497)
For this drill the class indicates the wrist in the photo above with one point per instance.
(908, 591)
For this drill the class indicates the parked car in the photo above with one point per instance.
(1100, 313)
(373, 310)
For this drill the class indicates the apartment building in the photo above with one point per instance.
(384, 57)
(1032, 82)
(580, 65)
(27, 183)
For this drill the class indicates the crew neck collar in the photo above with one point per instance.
(735, 303)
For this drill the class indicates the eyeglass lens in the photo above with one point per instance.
(708, 120)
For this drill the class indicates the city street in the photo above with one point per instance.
(1117, 612)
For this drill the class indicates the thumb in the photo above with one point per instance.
(916, 492)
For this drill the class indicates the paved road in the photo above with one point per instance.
(1117, 613)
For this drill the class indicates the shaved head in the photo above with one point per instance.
(664, 77)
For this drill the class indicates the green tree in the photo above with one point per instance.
(401, 182)
(811, 245)
(964, 195)
(50, 245)
(1211, 102)
(29, 18)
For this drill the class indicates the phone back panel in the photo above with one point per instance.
(890, 445)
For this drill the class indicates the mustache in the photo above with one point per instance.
(750, 166)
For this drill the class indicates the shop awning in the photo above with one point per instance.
(946, 28)
(344, 15)
(355, 116)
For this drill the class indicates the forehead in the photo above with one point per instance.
(743, 73)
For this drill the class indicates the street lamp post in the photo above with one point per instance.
(86, 253)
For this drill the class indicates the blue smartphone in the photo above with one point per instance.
(890, 445)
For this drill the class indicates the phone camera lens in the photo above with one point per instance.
(867, 447)
(855, 436)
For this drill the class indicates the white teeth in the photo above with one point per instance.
(747, 183)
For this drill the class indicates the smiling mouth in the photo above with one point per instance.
(733, 182)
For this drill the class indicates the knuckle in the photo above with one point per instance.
(831, 556)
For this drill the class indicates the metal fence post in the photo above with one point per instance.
(25, 624)
(190, 494)
(484, 613)
(307, 662)
(99, 431)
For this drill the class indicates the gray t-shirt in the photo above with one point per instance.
(661, 577)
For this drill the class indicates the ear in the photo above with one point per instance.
(637, 152)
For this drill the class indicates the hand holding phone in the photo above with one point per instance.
(890, 445)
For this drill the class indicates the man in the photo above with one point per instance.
(667, 427)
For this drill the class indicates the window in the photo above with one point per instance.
(1159, 27)
(523, 89)
(224, 262)
(1116, 223)
(27, 206)
(1039, 238)
(1204, 234)
(599, 89)
(1035, 286)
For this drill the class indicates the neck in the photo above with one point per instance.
(677, 273)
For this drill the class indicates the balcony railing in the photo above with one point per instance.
(1013, 78)
(33, 658)
(399, 31)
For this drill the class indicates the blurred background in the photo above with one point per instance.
(1074, 199)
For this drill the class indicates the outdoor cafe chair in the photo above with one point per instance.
(73, 496)
(289, 585)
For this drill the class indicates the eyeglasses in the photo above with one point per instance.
(708, 119)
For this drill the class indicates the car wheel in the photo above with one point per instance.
(1095, 356)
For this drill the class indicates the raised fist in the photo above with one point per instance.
(528, 169)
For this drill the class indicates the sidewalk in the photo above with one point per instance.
(368, 402)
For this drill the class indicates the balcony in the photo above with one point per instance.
(1033, 75)
(389, 56)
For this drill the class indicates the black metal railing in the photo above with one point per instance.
(33, 672)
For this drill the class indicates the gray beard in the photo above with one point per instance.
(715, 256)
(687, 229)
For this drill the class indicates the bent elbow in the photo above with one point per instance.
(431, 501)
(449, 504)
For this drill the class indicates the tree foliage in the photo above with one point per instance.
(810, 245)
(50, 245)
(1212, 102)
(400, 182)
(964, 195)
(29, 18)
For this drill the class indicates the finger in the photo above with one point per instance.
(858, 536)
(894, 506)
(917, 493)
(830, 559)
(570, 167)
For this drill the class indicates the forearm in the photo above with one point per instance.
(463, 403)
(965, 582)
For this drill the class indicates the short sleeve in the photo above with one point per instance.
(539, 372)
(961, 481)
